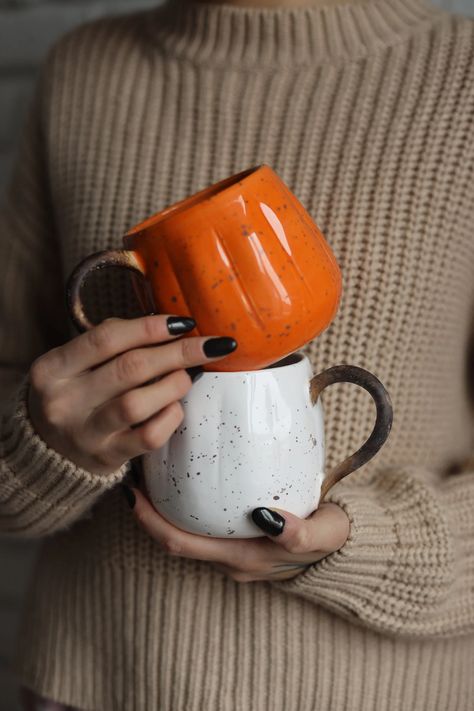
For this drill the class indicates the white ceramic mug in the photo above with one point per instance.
(254, 438)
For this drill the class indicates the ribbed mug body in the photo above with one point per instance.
(248, 439)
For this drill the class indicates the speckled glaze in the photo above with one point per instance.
(242, 257)
(255, 438)
(247, 439)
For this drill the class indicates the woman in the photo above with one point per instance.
(364, 108)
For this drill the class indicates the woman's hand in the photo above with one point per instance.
(112, 393)
(299, 542)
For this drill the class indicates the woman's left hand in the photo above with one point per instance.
(295, 544)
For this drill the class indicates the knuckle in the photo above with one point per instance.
(53, 411)
(128, 407)
(154, 435)
(152, 438)
(100, 336)
(298, 543)
(172, 546)
(150, 328)
(175, 410)
(46, 367)
(186, 349)
(129, 365)
(182, 383)
(39, 374)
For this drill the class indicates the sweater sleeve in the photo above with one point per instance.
(40, 491)
(407, 567)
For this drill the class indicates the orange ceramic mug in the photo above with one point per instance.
(242, 257)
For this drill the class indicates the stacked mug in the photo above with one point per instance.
(244, 259)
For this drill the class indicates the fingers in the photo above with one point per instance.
(139, 404)
(178, 542)
(325, 531)
(255, 559)
(112, 337)
(138, 366)
(151, 435)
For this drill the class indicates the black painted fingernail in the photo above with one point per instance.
(179, 324)
(195, 372)
(129, 495)
(135, 470)
(223, 345)
(269, 521)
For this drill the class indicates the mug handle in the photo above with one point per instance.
(383, 422)
(108, 258)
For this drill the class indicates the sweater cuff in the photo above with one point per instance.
(395, 567)
(42, 490)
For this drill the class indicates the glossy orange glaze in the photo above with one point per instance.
(244, 259)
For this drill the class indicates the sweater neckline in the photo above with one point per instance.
(320, 31)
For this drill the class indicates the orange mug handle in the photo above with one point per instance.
(126, 258)
(383, 421)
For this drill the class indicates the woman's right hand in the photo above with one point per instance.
(92, 401)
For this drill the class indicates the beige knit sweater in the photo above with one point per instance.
(365, 109)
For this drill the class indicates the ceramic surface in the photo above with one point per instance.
(248, 439)
(242, 257)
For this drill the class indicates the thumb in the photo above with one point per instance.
(282, 527)
(326, 528)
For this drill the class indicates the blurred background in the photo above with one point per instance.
(27, 29)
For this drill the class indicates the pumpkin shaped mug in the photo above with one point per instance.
(255, 438)
(242, 257)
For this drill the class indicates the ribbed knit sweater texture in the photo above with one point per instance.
(365, 109)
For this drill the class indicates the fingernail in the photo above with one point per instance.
(179, 324)
(135, 470)
(129, 495)
(269, 521)
(220, 346)
(195, 372)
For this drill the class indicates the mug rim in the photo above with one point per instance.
(295, 358)
(210, 192)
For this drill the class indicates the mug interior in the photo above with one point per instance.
(286, 361)
(192, 200)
